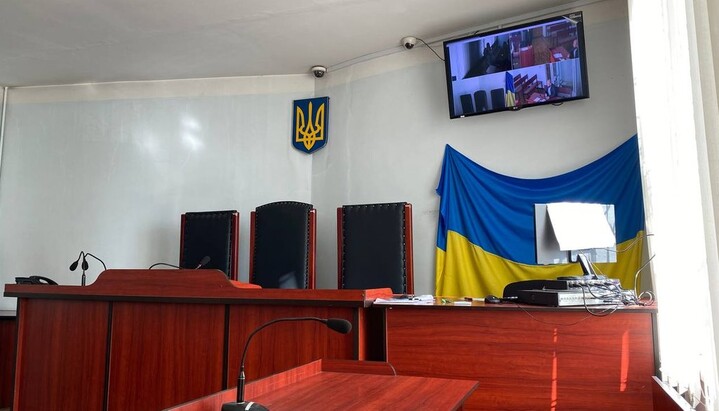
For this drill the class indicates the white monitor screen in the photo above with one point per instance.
(564, 229)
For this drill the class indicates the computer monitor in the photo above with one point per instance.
(575, 232)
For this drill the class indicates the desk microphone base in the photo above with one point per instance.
(243, 406)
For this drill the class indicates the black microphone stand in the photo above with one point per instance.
(337, 324)
(85, 265)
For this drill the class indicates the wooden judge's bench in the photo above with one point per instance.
(154, 339)
(151, 339)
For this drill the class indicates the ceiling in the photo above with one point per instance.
(51, 42)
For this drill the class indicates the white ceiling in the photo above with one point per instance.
(44, 42)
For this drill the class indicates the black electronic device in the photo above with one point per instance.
(35, 279)
(336, 324)
(511, 289)
(560, 284)
(563, 298)
(535, 63)
(565, 291)
(492, 299)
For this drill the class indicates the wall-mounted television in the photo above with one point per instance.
(536, 63)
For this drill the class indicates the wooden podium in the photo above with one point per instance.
(150, 339)
(344, 385)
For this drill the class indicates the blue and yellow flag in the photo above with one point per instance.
(485, 236)
(509, 93)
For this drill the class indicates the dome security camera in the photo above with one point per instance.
(408, 42)
(318, 71)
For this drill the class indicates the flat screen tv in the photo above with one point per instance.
(532, 64)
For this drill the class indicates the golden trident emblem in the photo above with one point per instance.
(309, 132)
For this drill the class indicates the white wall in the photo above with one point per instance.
(109, 168)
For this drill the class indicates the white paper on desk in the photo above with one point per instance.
(415, 300)
(580, 226)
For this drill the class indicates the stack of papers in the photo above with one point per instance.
(407, 300)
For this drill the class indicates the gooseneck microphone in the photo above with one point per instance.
(83, 255)
(73, 266)
(203, 262)
(336, 324)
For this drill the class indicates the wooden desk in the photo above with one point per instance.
(344, 385)
(529, 357)
(8, 327)
(148, 339)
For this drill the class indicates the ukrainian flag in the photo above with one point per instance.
(509, 93)
(485, 236)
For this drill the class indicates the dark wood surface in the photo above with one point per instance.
(116, 344)
(191, 286)
(164, 352)
(148, 339)
(282, 346)
(62, 360)
(8, 335)
(344, 387)
(529, 357)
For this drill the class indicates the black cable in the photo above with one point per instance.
(165, 264)
(428, 46)
(102, 262)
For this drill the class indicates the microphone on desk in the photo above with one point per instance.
(203, 262)
(83, 255)
(336, 324)
(73, 266)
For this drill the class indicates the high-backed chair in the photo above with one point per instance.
(374, 247)
(497, 98)
(213, 234)
(467, 105)
(282, 245)
(480, 100)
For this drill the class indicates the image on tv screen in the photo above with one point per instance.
(537, 63)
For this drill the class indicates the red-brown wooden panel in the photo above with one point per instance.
(62, 363)
(549, 360)
(282, 346)
(205, 286)
(352, 391)
(312, 387)
(8, 327)
(164, 354)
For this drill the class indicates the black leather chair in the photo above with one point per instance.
(374, 247)
(282, 245)
(213, 234)
(497, 98)
(467, 105)
(480, 100)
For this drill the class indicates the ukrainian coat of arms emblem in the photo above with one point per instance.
(309, 124)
